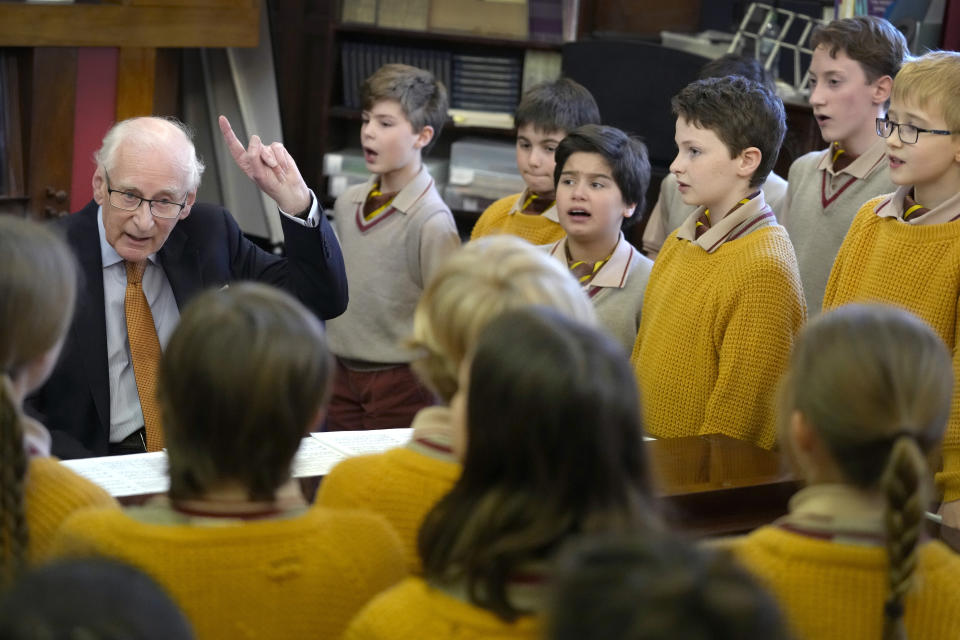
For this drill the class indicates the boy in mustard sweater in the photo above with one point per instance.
(546, 114)
(904, 247)
(724, 299)
(244, 377)
(851, 72)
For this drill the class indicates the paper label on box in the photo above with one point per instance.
(461, 175)
(332, 163)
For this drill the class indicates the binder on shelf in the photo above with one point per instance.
(506, 18)
(360, 59)
(540, 66)
(546, 20)
(359, 11)
(404, 14)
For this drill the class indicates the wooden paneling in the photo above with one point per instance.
(228, 23)
(306, 63)
(136, 78)
(50, 161)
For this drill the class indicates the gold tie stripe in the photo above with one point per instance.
(376, 202)
(144, 352)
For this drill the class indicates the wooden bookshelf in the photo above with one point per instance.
(450, 37)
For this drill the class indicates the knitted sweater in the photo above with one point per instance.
(716, 334)
(879, 261)
(297, 577)
(52, 493)
(402, 485)
(670, 210)
(836, 591)
(412, 609)
(617, 289)
(388, 261)
(820, 206)
(503, 216)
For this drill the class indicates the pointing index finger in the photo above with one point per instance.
(234, 144)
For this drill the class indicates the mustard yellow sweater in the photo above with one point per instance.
(51, 494)
(401, 484)
(534, 229)
(915, 267)
(299, 577)
(412, 609)
(716, 334)
(836, 591)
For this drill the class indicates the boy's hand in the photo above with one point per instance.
(271, 167)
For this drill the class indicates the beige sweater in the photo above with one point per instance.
(388, 260)
(821, 204)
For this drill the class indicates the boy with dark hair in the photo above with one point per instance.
(669, 212)
(394, 230)
(547, 112)
(602, 176)
(904, 248)
(724, 301)
(851, 73)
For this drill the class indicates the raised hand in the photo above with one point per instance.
(271, 167)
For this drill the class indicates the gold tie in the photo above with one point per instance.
(144, 352)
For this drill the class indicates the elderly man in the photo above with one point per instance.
(145, 248)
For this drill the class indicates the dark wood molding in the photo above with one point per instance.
(161, 23)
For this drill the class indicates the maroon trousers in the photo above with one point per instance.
(380, 399)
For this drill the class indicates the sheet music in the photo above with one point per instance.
(131, 475)
(355, 443)
(146, 473)
(315, 458)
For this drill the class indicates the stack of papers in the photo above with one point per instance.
(146, 473)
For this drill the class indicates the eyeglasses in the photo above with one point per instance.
(908, 133)
(131, 202)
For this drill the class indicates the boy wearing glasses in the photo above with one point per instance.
(904, 248)
(851, 72)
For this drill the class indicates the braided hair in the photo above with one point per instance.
(875, 383)
(37, 291)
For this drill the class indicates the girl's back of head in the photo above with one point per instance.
(476, 284)
(874, 384)
(554, 447)
(648, 587)
(245, 375)
(37, 292)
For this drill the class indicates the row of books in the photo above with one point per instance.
(480, 83)
(545, 20)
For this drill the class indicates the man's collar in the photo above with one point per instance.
(109, 255)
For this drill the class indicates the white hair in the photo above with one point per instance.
(152, 131)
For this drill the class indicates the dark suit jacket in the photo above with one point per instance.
(206, 249)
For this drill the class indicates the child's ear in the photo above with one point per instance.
(629, 209)
(749, 161)
(882, 87)
(424, 137)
